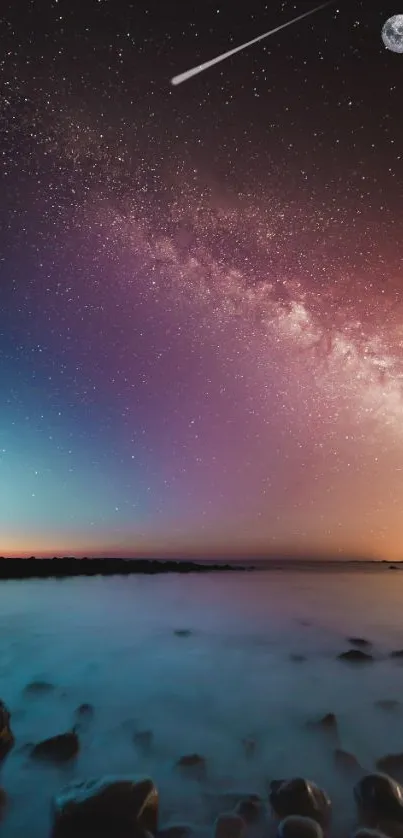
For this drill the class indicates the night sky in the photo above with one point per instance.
(201, 287)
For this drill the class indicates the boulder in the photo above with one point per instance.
(6, 735)
(59, 748)
(229, 825)
(359, 641)
(118, 806)
(391, 764)
(378, 797)
(297, 826)
(299, 797)
(355, 656)
(193, 764)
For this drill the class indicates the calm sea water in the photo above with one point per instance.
(111, 642)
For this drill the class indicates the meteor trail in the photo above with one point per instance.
(200, 67)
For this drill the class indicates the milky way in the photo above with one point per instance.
(194, 363)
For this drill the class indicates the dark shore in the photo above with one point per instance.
(60, 568)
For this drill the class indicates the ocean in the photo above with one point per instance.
(234, 673)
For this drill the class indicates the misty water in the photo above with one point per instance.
(111, 642)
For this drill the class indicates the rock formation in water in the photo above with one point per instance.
(118, 806)
(300, 797)
(6, 734)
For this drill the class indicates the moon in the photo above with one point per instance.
(392, 33)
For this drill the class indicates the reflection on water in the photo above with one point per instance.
(111, 642)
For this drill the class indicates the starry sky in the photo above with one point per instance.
(201, 304)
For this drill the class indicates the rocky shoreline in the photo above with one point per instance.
(127, 806)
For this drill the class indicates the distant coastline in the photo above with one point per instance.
(36, 568)
(71, 566)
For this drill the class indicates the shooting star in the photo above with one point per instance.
(201, 67)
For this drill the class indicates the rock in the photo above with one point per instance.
(6, 735)
(3, 802)
(297, 826)
(143, 739)
(229, 825)
(355, 656)
(85, 711)
(59, 748)
(346, 761)
(194, 764)
(366, 832)
(109, 807)
(251, 810)
(388, 704)
(175, 831)
(327, 723)
(38, 688)
(297, 658)
(359, 641)
(397, 653)
(182, 632)
(378, 797)
(249, 746)
(391, 764)
(393, 567)
(299, 797)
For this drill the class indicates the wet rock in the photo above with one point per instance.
(391, 764)
(388, 704)
(3, 802)
(182, 632)
(355, 656)
(39, 688)
(297, 658)
(229, 825)
(6, 734)
(346, 761)
(118, 806)
(299, 797)
(143, 739)
(378, 797)
(193, 764)
(359, 641)
(397, 653)
(297, 826)
(175, 830)
(328, 724)
(59, 748)
(85, 711)
(249, 746)
(251, 810)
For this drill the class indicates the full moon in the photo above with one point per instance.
(392, 33)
